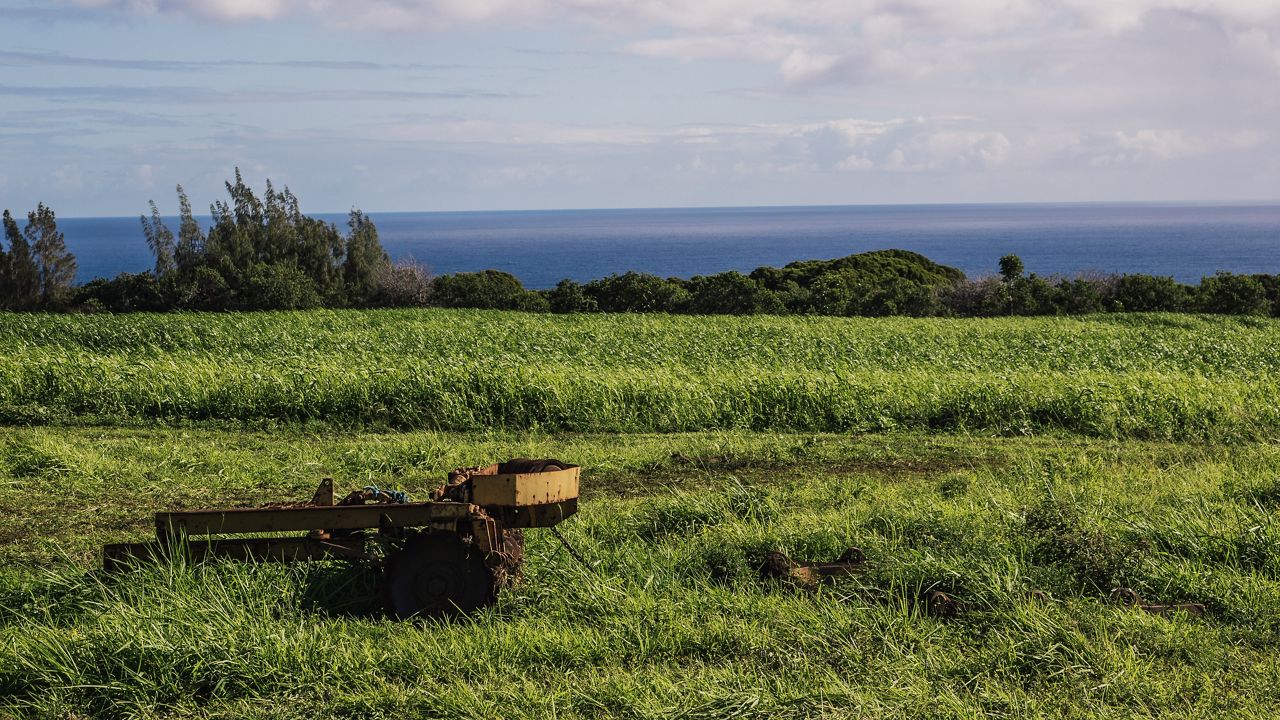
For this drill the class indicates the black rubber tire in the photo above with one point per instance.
(437, 575)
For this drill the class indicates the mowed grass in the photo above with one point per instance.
(672, 619)
(1142, 376)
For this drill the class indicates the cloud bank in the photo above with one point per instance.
(646, 102)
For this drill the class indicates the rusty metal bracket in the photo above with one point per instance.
(324, 493)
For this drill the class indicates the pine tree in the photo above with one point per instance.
(57, 266)
(365, 260)
(4, 271)
(21, 289)
(160, 240)
(262, 252)
(233, 244)
(189, 253)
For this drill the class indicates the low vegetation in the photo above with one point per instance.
(1029, 535)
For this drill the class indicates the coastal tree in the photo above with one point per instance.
(487, 289)
(55, 264)
(189, 250)
(160, 240)
(21, 289)
(262, 252)
(637, 292)
(1011, 268)
(365, 261)
(1147, 293)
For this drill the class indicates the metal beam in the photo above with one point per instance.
(286, 519)
(120, 556)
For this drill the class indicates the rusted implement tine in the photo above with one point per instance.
(1131, 599)
(778, 565)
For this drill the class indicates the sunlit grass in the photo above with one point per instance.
(673, 619)
(1157, 376)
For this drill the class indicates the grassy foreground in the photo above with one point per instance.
(1152, 376)
(674, 621)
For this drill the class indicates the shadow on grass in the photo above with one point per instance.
(340, 589)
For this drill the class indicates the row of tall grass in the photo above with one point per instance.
(673, 620)
(1154, 376)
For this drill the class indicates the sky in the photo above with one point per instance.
(402, 105)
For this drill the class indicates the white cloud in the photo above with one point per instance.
(994, 96)
(809, 42)
(876, 17)
(941, 144)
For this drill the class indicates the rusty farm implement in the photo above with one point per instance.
(448, 555)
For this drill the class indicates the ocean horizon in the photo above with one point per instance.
(1183, 240)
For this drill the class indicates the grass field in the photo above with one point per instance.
(1156, 376)
(111, 419)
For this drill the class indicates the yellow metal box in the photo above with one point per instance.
(517, 489)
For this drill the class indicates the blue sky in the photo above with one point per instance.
(511, 104)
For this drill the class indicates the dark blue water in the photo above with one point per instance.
(542, 247)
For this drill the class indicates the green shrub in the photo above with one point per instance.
(1148, 293)
(208, 290)
(637, 292)
(1078, 297)
(1229, 294)
(731, 293)
(126, 292)
(570, 297)
(1271, 286)
(1031, 295)
(278, 287)
(487, 289)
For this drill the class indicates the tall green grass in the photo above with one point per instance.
(673, 620)
(1157, 376)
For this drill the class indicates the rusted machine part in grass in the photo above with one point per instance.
(446, 556)
(1130, 598)
(940, 604)
(777, 565)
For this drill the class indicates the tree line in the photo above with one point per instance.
(263, 253)
(877, 283)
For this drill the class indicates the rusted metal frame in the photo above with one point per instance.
(118, 556)
(339, 517)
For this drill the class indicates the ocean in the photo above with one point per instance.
(542, 247)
